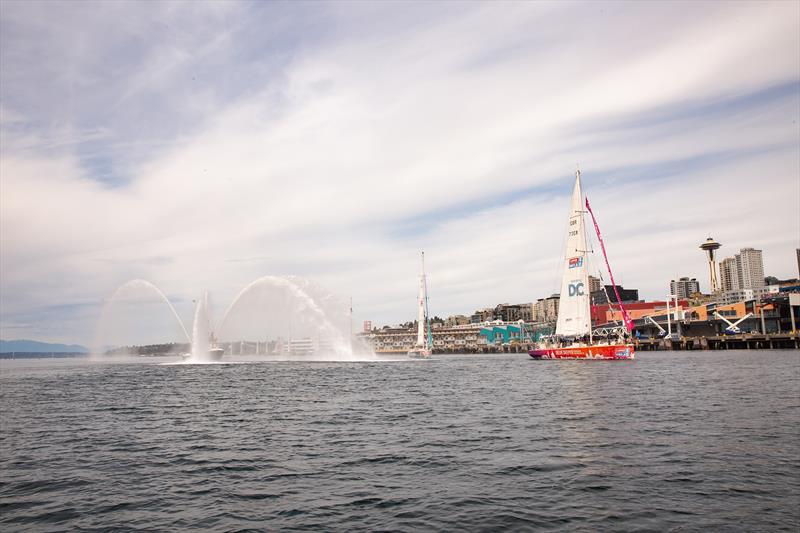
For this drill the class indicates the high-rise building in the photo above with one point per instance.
(750, 267)
(684, 287)
(728, 274)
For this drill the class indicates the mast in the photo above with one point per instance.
(351, 323)
(427, 312)
(573, 307)
(421, 310)
(588, 288)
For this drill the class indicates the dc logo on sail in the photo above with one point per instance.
(576, 289)
(575, 262)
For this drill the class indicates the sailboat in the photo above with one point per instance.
(214, 351)
(574, 338)
(424, 345)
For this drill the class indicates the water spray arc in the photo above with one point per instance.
(296, 304)
(143, 283)
(306, 305)
(132, 285)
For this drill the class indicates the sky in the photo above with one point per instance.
(202, 145)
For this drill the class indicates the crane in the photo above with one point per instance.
(661, 331)
(733, 327)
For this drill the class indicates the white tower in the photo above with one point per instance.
(710, 246)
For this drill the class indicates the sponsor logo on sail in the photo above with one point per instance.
(576, 289)
(575, 262)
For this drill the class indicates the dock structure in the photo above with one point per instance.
(746, 341)
(741, 341)
(747, 325)
(479, 343)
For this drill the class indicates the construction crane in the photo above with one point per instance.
(733, 327)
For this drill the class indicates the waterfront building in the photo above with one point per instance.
(292, 346)
(745, 295)
(606, 293)
(608, 313)
(594, 284)
(501, 333)
(525, 312)
(546, 309)
(770, 315)
(684, 287)
(513, 313)
(728, 274)
(456, 320)
(463, 338)
(784, 285)
(482, 315)
(750, 268)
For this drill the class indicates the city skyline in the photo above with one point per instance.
(201, 146)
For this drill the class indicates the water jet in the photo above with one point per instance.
(285, 317)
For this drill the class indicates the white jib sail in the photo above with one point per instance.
(573, 306)
(421, 317)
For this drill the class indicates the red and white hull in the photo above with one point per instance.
(603, 352)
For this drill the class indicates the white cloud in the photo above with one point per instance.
(451, 129)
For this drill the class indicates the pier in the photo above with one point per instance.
(742, 341)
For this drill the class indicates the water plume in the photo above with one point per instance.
(132, 291)
(273, 316)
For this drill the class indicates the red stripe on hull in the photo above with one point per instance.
(616, 351)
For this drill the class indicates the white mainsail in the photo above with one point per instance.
(421, 319)
(573, 306)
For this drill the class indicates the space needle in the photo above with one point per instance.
(710, 246)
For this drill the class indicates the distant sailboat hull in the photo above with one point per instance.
(215, 354)
(419, 353)
(602, 352)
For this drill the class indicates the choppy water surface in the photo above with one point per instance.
(683, 441)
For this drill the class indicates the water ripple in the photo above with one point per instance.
(672, 442)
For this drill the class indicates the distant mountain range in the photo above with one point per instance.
(27, 346)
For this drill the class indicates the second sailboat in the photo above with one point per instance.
(424, 345)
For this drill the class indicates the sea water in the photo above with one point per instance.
(670, 441)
